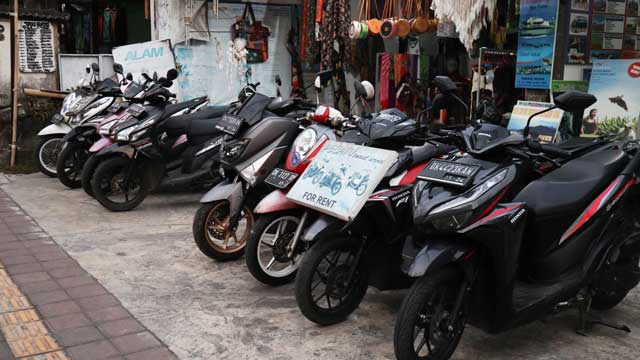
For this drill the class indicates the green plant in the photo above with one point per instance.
(617, 125)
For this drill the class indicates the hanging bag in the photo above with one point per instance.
(421, 22)
(374, 23)
(403, 25)
(255, 34)
(388, 27)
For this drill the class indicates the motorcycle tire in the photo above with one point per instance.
(105, 172)
(306, 284)
(88, 170)
(252, 252)
(48, 168)
(421, 293)
(201, 232)
(70, 163)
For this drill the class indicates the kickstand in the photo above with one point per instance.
(587, 320)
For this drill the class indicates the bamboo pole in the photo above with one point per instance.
(16, 85)
(46, 94)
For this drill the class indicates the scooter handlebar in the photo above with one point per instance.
(548, 149)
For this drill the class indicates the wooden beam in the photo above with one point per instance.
(45, 93)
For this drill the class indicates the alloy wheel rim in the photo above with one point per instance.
(333, 277)
(274, 245)
(221, 234)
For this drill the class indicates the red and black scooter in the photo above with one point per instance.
(498, 243)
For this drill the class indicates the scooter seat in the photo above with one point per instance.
(279, 103)
(179, 125)
(191, 104)
(573, 186)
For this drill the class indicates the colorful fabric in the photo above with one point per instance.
(385, 69)
(335, 28)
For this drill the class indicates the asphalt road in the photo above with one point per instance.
(208, 310)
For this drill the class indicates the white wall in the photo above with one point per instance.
(5, 64)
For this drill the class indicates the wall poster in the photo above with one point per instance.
(615, 83)
(615, 29)
(36, 47)
(536, 43)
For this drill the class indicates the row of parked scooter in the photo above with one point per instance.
(485, 226)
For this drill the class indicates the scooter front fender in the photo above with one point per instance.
(118, 149)
(55, 129)
(322, 227)
(231, 192)
(434, 255)
(101, 144)
(275, 201)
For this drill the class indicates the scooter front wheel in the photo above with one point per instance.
(116, 187)
(69, 165)
(331, 282)
(423, 328)
(46, 154)
(88, 169)
(217, 235)
(267, 253)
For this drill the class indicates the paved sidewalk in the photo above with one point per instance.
(52, 309)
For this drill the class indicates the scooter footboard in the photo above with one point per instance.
(434, 254)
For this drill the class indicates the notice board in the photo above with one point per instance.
(36, 47)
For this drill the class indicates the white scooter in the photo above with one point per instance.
(89, 100)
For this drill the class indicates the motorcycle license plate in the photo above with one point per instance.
(449, 172)
(229, 124)
(114, 108)
(281, 178)
(135, 110)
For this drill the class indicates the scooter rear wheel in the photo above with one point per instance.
(216, 236)
(116, 188)
(324, 291)
(69, 165)
(422, 329)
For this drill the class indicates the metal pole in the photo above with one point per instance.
(16, 83)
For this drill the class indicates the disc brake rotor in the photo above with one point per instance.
(337, 281)
(281, 247)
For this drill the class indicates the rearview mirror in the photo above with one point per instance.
(364, 90)
(445, 84)
(117, 68)
(172, 75)
(95, 67)
(323, 78)
(130, 76)
(574, 101)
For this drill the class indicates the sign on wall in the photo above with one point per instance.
(341, 178)
(36, 47)
(147, 57)
(536, 42)
(615, 84)
(615, 29)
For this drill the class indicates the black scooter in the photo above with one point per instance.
(501, 239)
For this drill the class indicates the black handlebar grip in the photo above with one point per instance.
(548, 149)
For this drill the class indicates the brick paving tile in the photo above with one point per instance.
(38, 287)
(75, 281)
(108, 314)
(24, 268)
(133, 343)
(94, 351)
(59, 309)
(79, 336)
(153, 354)
(29, 278)
(18, 260)
(57, 264)
(52, 255)
(11, 245)
(97, 302)
(86, 291)
(68, 322)
(120, 327)
(67, 271)
(48, 297)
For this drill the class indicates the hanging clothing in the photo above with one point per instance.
(335, 28)
(308, 39)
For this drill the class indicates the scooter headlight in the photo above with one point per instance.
(124, 134)
(457, 213)
(68, 102)
(302, 146)
(104, 129)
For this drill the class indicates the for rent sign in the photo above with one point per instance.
(341, 178)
